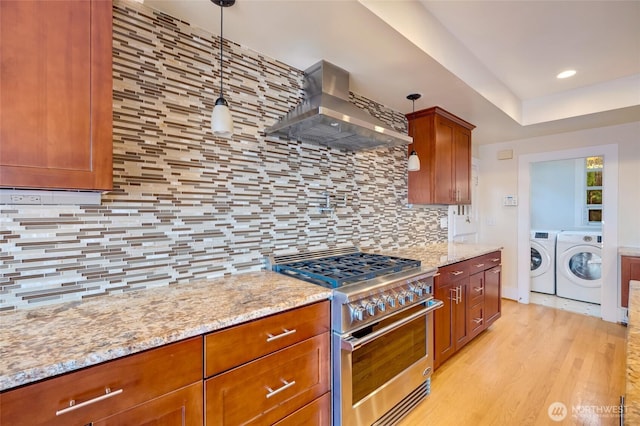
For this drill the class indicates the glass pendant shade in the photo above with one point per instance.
(414, 162)
(221, 121)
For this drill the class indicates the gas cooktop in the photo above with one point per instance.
(343, 269)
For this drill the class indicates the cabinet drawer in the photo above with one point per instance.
(131, 380)
(317, 412)
(234, 346)
(182, 407)
(268, 389)
(453, 272)
(476, 319)
(492, 259)
(476, 288)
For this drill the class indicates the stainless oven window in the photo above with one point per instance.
(385, 357)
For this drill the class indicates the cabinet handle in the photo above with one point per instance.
(477, 320)
(497, 271)
(479, 289)
(437, 274)
(451, 296)
(497, 259)
(286, 385)
(73, 406)
(286, 332)
(456, 273)
(479, 265)
(459, 290)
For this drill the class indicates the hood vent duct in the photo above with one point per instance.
(326, 116)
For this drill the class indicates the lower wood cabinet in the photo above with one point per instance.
(629, 270)
(145, 386)
(182, 407)
(274, 369)
(471, 294)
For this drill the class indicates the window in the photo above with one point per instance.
(593, 190)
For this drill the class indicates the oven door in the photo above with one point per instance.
(378, 366)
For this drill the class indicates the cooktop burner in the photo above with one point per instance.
(336, 271)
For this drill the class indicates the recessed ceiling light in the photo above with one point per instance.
(566, 74)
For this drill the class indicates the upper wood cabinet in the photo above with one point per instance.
(443, 143)
(56, 97)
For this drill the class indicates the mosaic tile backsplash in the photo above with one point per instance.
(188, 206)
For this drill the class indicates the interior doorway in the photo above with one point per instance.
(609, 306)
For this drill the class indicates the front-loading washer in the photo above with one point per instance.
(579, 265)
(543, 261)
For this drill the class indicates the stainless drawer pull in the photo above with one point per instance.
(479, 265)
(497, 259)
(477, 320)
(286, 385)
(73, 406)
(457, 272)
(497, 271)
(285, 332)
(478, 289)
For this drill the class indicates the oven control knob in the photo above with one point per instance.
(370, 307)
(357, 312)
(391, 301)
(380, 304)
(416, 288)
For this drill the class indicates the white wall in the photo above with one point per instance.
(497, 178)
(553, 195)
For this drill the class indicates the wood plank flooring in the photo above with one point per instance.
(530, 358)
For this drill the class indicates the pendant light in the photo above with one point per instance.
(221, 121)
(413, 164)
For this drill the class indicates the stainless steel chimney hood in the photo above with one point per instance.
(326, 116)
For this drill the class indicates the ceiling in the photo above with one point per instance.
(492, 63)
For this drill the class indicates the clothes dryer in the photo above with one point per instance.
(543, 261)
(579, 265)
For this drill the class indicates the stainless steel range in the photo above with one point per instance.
(382, 324)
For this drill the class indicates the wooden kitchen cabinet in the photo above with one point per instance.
(274, 369)
(56, 97)
(443, 143)
(450, 322)
(629, 270)
(471, 292)
(158, 386)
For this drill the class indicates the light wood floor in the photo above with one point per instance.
(530, 358)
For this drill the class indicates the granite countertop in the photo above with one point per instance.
(629, 251)
(43, 342)
(443, 254)
(632, 394)
(39, 343)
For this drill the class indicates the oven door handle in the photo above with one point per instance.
(351, 344)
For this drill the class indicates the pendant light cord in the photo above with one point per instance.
(221, 42)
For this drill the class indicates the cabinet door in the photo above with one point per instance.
(444, 188)
(182, 407)
(317, 412)
(629, 270)
(476, 288)
(492, 299)
(442, 321)
(56, 102)
(461, 322)
(462, 165)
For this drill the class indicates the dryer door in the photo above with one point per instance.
(582, 265)
(540, 259)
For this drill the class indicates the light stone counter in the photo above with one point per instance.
(629, 251)
(36, 344)
(632, 395)
(442, 254)
(44, 342)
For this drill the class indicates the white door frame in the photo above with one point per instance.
(609, 302)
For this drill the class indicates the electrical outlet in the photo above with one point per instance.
(25, 199)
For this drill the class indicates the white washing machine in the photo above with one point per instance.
(543, 261)
(579, 265)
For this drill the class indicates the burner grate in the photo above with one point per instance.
(340, 270)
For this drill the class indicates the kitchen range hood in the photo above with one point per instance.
(326, 116)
